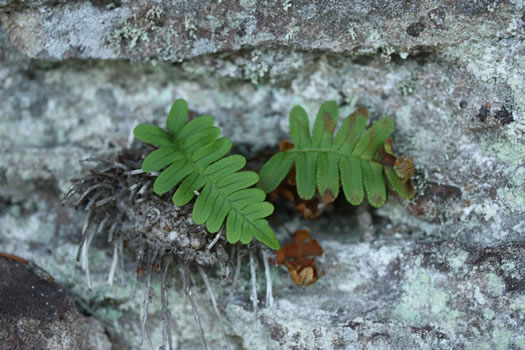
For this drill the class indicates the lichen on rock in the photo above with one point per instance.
(444, 271)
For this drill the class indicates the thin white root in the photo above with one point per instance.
(85, 248)
(214, 303)
(85, 257)
(189, 294)
(84, 236)
(143, 188)
(105, 200)
(235, 279)
(113, 263)
(140, 255)
(166, 329)
(121, 260)
(112, 229)
(145, 305)
(253, 297)
(135, 172)
(269, 296)
(88, 191)
(91, 203)
(215, 240)
(102, 223)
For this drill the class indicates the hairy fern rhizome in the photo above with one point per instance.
(193, 155)
(354, 159)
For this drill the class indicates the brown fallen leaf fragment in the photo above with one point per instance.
(299, 258)
(404, 168)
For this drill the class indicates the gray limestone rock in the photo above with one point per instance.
(445, 270)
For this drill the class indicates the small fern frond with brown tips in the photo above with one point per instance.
(355, 158)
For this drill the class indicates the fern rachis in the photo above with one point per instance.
(195, 159)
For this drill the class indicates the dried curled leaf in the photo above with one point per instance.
(299, 258)
(398, 170)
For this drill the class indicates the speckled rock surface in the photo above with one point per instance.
(35, 313)
(446, 270)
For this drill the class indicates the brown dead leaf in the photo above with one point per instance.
(404, 168)
(299, 258)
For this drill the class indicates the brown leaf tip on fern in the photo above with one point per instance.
(356, 159)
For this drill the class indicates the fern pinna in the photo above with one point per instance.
(193, 155)
(352, 159)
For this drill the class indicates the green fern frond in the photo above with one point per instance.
(194, 157)
(353, 159)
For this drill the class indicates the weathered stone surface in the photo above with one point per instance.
(35, 313)
(447, 268)
(403, 296)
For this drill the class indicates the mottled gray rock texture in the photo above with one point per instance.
(446, 270)
(35, 313)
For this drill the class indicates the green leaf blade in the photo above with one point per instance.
(305, 175)
(152, 134)
(328, 176)
(171, 176)
(348, 135)
(234, 224)
(352, 180)
(265, 234)
(324, 126)
(186, 190)
(225, 166)
(373, 138)
(177, 116)
(243, 198)
(300, 128)
(404, 188)
(161, 158)
(375, 186)
(275, 170)
(193, 126)
(257, 210)
(237, 181)
(204, 204)
(200, 139)
(212, 152)
(218, 214)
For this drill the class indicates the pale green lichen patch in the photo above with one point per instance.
(501, 337)
(488, 314)
(495, 285)
(424, 301)
(519, 304)
(457, 261)
(128, 32)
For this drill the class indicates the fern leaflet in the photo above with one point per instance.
(354, 159)
(194, 157)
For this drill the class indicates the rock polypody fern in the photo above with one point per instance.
(352, 159)
(193, 155)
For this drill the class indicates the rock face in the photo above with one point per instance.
(35, 313)
(446, 270)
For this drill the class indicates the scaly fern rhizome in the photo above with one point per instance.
(130, 205)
